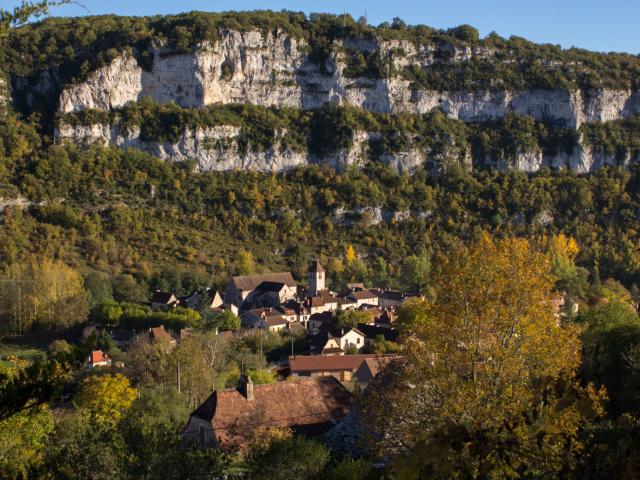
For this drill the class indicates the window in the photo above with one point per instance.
(358, 341)
(319, 276)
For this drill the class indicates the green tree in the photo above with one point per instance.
(196, 375)
(350, 469)
(350, 318)
(149, 430)
(127, 289)
(98, 287)
(488, 382)
(414, 273)
(82, 448)
(226, 320)
(22, 13)
(109, 313)
(294, 458)
(32, 386)
(246, 263)
(610, 334)
(23, 441)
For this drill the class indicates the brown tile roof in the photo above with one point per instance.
(307, 406)
(296, 327)
(374, 365)
(250, 282)
(316, 302)
(159, 334)
(328, 363)
(346, 301)
(275, 320)
(327, 296)
(364, 294)
(333, 351)
(393, 295)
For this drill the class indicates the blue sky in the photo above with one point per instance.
(596, 25)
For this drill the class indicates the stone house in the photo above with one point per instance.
(240, 287)
(270, 294)
(390, 298)
(229, 418)
(329, 340)
(365, 297)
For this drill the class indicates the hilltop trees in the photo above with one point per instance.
(488, 385)
(22, 13)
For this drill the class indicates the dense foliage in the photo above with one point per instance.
(498, 386)
(69, 48)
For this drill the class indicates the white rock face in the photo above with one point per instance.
(273, 69)
(4, 92)
(216, 149)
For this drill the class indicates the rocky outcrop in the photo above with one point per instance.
(274, 69)
(213, 149)
(219, 149)
(4, 93)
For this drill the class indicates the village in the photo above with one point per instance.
(343, 340)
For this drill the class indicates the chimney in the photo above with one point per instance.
(246, 387)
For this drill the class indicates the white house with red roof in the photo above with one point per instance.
(97, 358)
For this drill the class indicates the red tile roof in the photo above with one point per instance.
(98, 356)
(307, 406)
(328, 363)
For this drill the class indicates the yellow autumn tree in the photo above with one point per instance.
(105, 398)
(487, 385)
(350, 254)
(565, 246)
(44, 292)
(246, 263)
(563, 251)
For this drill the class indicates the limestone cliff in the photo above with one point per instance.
(217, 149)
(274, 69)
(4, 92)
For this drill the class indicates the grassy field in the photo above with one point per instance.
(23, 347)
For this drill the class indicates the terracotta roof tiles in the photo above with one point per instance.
(307, 406)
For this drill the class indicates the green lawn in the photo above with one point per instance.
(24, 347)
